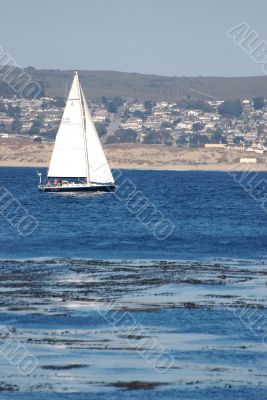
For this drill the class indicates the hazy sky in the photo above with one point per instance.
(168, 37)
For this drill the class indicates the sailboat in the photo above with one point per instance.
(78, 162)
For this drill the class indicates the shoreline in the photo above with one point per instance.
(260, 167)
(25, 153)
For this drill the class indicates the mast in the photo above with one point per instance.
(84, 129)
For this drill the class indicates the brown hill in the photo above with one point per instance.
(152, 87)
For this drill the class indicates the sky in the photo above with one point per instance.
(163, 37)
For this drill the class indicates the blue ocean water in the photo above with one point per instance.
(212, 215)
(89, 323)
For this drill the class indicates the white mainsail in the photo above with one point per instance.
(78, 151)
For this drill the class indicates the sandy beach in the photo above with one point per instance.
(26, 153)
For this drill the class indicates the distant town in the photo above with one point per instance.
(236, 124)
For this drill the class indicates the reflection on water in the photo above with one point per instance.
(70, 314)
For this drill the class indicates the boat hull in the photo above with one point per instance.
(53, 189)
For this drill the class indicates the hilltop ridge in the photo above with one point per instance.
(153, 87)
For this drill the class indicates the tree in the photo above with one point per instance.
(37, 140)
(161, 137)
(118, 101)
(261, 129)
(166, 138)
(47, 104)
(140, 114)
(35, 128)
(258, 103)
(148, 107)
(104, 100)
(196, 105)
(111, 107)
(197, 140)
(152, 138)
(197, 126)
(238, 139)
(177, 121)
(166, 124)
(101, 128)
(218, 137)
(2, 107)
(13, 112)
(230, 108)
(51, 134)
(59, 102)
(181, 140)
(123, 136)
(44, 105)
(15, 126)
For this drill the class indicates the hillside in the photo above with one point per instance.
(153, 87)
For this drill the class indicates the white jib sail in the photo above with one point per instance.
(77, 150)
(99, 171)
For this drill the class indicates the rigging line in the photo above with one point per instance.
(84, 130)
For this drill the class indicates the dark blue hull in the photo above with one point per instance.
(58, 189)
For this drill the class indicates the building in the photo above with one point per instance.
(245, 160)
(132, 123)
(153, 122)
(214, 146)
